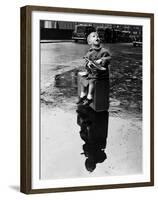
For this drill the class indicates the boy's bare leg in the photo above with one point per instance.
(83, 91)
(89, 99)
(82, 94)
(90, 91)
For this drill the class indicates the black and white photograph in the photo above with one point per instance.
(90, 104)
(90, 99)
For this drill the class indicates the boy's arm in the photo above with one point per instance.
(105, 59)
(85, 58)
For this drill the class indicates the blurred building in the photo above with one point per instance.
(113, 32)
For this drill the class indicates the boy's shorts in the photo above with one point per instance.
(85, 82)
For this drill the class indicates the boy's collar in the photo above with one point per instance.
(95, 48)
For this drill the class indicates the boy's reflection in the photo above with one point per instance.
(94, 129)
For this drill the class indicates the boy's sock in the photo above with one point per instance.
(83, 94)
(89, 96)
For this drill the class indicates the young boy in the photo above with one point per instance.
(97, 61)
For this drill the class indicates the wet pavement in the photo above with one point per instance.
(94, 132)
(79, 143)
(76, 141)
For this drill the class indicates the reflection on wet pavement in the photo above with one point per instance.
(93, 131)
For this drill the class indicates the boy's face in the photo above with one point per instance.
(94, 39)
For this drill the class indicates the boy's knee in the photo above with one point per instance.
(91, 81)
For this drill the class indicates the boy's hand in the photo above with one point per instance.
(89, 64)
(98, 61)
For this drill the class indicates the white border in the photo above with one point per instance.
(145, 176)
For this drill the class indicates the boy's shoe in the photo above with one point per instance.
(87, 102)
(81, 100)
